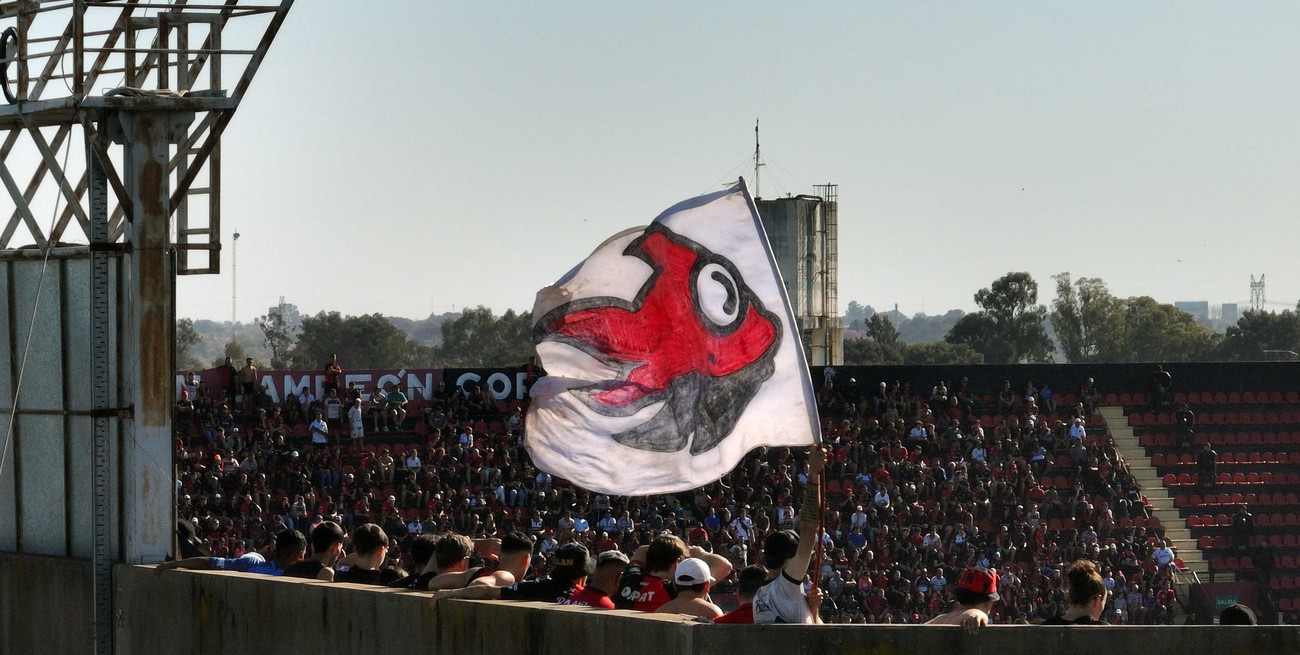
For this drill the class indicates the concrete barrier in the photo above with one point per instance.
(46, 609)
(46, 605)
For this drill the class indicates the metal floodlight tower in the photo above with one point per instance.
(144, 89)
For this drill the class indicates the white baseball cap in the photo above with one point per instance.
(692, 571)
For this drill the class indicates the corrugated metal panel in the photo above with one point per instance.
(8, 498)
(46, 493)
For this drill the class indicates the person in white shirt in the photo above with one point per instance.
(320, 431)
(881, 499)
(357, 421)
(858, 521)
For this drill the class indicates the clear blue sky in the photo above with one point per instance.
(409, 157)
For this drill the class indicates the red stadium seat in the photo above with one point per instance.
(1193, 398)
(1194, 521)
(1248, 397)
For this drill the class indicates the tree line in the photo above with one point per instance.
(476, 337)
(1087, 324)
(1084, 323)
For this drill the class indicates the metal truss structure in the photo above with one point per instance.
(145, 89)
(66, 65)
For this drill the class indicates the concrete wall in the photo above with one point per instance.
(46, 609)
(45, 605)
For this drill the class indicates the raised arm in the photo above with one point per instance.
(797, 567)
(719, 566)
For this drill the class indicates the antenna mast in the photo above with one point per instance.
(758, 162)
(1257, 293)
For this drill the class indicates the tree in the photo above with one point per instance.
(368, 341)
(1258, 331)
(919, 354)
(187, 341)
(868, 352)
(882, 331)
(278, 337)
(235, 351)
(480, 338)
(1088, 320)
(1012, 326)
(1158, 332)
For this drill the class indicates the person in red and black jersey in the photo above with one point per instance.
(609, 569)
(572, 566)
(646, 582)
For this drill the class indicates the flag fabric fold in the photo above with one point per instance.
(670, 352)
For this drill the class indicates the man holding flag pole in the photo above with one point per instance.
(787, 553)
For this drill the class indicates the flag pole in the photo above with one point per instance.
(821, 529)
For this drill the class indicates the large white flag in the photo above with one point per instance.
(670, 353)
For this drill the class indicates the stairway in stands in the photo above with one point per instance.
(1158, 497)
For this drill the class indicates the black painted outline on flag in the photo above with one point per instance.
(694, 404)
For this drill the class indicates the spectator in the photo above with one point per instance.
(976, 591)
(609, 570)
(397, 406)
(572, 566)
(288, 550)
(786, 555)
(1237, 614)
(749, 580)
(1087, 596)
(365, 566)
(333, 375)
(326, 549)
(692, 581)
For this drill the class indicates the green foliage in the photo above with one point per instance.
(940, 352)
(480, 338)
(278, 336)
(368, 341)
(187, 341)
(882, 331)
(235, 351)
(1088, 320)
(1157, 332)
(867, 352)
(1256, 332)
(1012, 326)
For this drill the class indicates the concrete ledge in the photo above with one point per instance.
(46, 604)
(47, 608)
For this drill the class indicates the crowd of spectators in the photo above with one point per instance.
(921, 485)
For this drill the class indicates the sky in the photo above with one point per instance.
(409, 157)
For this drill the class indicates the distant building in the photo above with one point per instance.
(1198, 308)
(1228, 313)
(804, 234)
